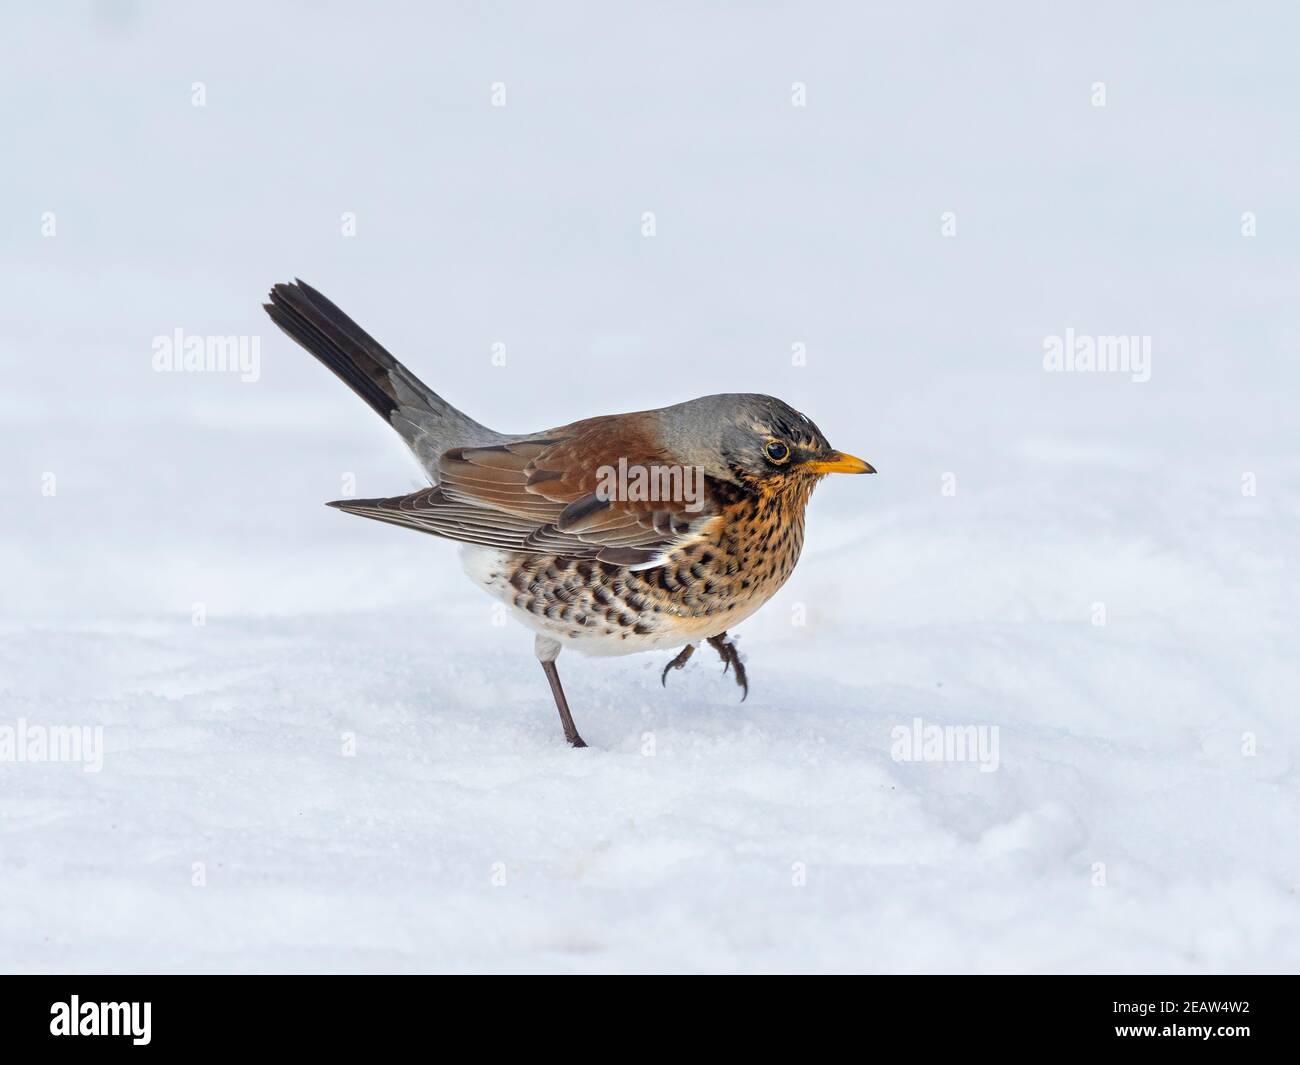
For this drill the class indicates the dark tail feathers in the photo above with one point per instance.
(426, 421)
(358, 360)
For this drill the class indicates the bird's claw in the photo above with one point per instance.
(726, 651)
(682, 658)
(730, 656)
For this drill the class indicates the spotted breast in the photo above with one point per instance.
(702, 588)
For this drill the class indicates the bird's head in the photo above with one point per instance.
(757, 442)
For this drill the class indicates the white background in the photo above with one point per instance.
(1120, 744)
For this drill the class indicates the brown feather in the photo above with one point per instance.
(539, 496)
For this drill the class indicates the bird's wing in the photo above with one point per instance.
(561, 494)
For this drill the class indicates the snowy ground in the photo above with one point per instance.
(1145, 808)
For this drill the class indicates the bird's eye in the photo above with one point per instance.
(777, 451)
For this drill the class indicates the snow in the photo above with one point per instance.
(322, 710)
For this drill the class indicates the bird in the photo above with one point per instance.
(652, 530)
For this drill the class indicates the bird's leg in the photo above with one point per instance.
(562, 704)
(547, 651)
(726, 649)
(682, 658)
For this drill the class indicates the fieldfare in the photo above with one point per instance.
(646, 531)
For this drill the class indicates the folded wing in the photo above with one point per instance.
(561, 495)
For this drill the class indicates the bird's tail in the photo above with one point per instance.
(427, 422)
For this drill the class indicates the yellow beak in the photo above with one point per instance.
(839, 463)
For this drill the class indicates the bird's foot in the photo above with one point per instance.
(730, 656)
(683, 656)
